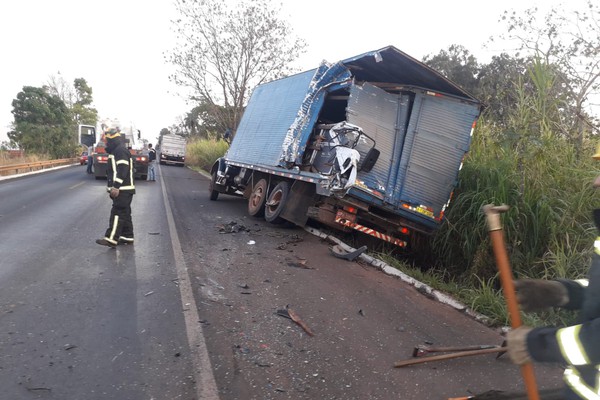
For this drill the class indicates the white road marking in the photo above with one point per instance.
(206, 386)
(79, 184)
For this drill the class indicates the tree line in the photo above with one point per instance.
(46, 118)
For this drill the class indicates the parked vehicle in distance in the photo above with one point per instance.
(373, 143)
(83, 159)
(172, 150)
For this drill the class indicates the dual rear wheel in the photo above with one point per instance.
(270, 205)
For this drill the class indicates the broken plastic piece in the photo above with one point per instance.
(339, 252)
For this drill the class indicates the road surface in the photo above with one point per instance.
(191, 310)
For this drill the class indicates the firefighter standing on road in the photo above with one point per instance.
(121, 189)
(577, 346)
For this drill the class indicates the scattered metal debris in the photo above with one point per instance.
(149, 293)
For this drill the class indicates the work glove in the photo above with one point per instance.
(516, 345)
(540, 294)
(113, 193)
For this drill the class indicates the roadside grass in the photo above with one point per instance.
(202, 153)
(7, 159)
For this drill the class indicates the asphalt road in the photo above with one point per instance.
(190, 311)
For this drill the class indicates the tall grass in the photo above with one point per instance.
(535, 169)
(202, 153)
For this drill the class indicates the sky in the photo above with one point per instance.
(119, 46)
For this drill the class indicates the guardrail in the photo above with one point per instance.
(13, 169)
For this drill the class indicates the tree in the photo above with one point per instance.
(456, 64)
(224, 52)
(571, 42)
(82, 110)
(58, 86)
(42, 123)
(77, 97)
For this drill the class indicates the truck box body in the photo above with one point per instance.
(172, 150)
(418, 123)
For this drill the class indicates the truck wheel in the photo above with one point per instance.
(214, 195)
(257, 199)
(276, 203)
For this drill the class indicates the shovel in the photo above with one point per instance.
(492, 214)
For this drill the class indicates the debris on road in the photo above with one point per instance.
(149, 293)
(340, 252)
(298, 263)
(232, 227)
(290, 314)
(294, 317)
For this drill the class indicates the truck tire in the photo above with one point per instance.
(214, 195)
(276, 203)
(257, 199)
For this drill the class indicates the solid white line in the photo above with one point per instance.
(206, 387)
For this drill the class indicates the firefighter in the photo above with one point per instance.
(121, 188)
(576, 346)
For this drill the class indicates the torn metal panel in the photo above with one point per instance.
(300, 130)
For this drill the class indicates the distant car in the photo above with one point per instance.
(83, 158)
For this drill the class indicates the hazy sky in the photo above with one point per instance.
(118, 46)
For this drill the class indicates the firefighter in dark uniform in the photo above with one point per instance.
(121, 189)
(576, 346)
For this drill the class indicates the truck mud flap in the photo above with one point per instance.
(302, 196)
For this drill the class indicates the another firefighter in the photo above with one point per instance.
(121, 189)
(577, 346)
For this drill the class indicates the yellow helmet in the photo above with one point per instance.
(112, 134)
(597, 155)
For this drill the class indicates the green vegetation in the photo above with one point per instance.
(202, 153)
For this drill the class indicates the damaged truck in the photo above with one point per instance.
(372, 143)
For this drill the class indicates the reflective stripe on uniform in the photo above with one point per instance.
(130, 187)
(115, 223)
(131, 175)
(119, 180)
(570, 346)
(111, 158)
(126, 162)
(578, 385)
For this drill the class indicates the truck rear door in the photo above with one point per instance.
(422, 137)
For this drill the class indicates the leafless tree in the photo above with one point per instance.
(226, 48)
